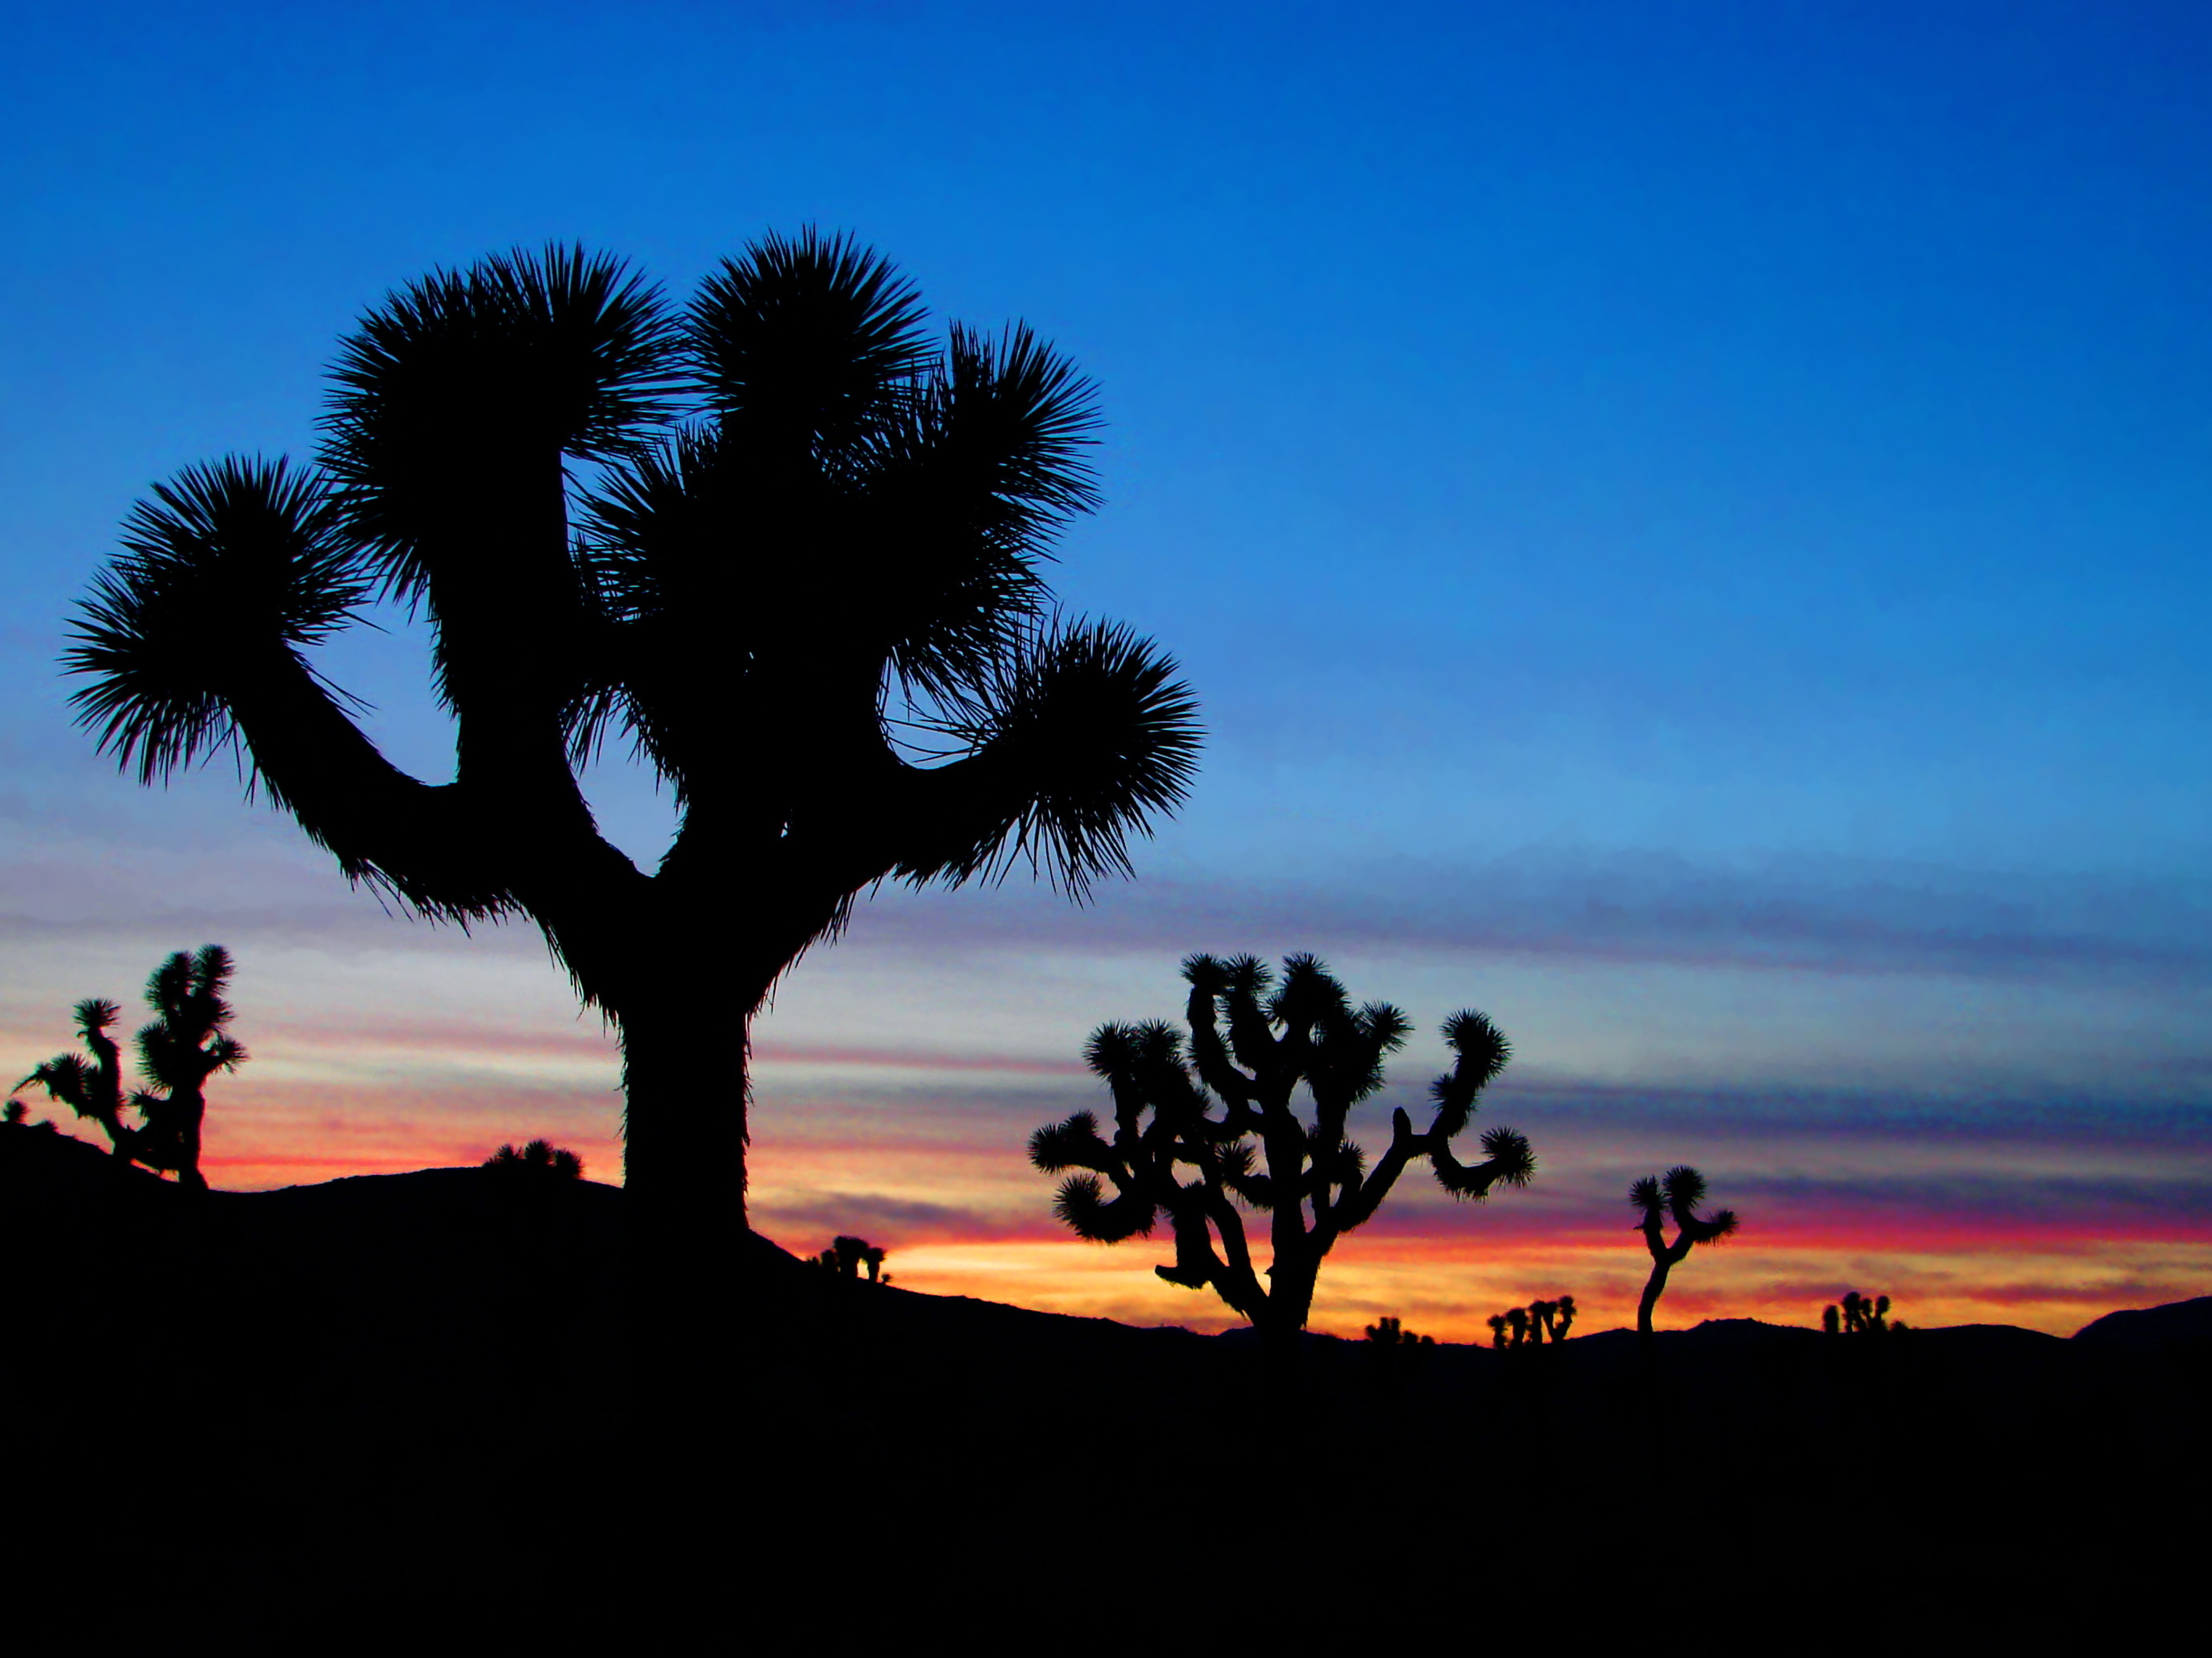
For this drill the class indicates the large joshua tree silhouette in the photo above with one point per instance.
(1677, 1193)
(1224, 1109)
(188, 1042)
(778, 541)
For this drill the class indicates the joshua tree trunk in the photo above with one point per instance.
(685, 1082)
(191, 1106)
(683, 1120)
(1654, 1287)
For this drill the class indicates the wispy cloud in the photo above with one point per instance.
(1830, 914)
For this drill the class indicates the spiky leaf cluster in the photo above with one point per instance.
(241, 555)
(1677, 1194)
(538, 1160)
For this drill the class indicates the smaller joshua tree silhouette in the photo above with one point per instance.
(1222, 1106)
(541, 1158)
(1532, 1326)
(1861, 1315)
(846, 1256)
(1388, 1332)
(93, 1088)
(187, 1042)
(1677, 1193)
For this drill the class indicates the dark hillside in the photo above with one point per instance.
(388, 1395)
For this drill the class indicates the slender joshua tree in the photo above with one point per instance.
(1677, 1193)
(780, 542)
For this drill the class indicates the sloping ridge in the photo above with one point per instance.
(2149, 1328)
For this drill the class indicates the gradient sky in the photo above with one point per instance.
(1688, 522)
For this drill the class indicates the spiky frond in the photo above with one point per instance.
(1308, 994)
(68, 1078)
(227, 563)
(547, 353)
(1480, 1053)
(94, 1016)
(1094, 736)
(1508, 1161)
(187, 992)
(1075, 1143)
(963, 495)
(1247, 978)
(1646, 1197)
(1112, 1050)
(1241, 1177)
(169, 986)
(1082, 1206)
(1383, 1026)
(1720, 1224)
(806, 338)
(1205, 975)
(1685, 1188)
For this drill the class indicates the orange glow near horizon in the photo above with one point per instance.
(923, 1153)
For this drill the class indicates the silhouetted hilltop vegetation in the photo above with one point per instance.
(390, 1393)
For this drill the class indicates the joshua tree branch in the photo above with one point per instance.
(421, 841)
(1359, 1206)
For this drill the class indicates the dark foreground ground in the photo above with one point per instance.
(403, 1407)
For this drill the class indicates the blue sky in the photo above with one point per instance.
(1709, 495)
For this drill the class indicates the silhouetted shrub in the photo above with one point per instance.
(186, 1043)
(1861, 1315)
(1532, 1326)
(540, 1159)
(1223, 1109)
(1678, 1192)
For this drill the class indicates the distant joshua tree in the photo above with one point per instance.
(1388, 1332)
(14, 1114)
(1677, 1193)
(1532, 1326)
(541, 1158)
(1861, 1315)
(187, 1042)
(847, 1255)
(92, 1088)
(1222, 1108)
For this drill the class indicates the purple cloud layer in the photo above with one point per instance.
(1831, 916)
